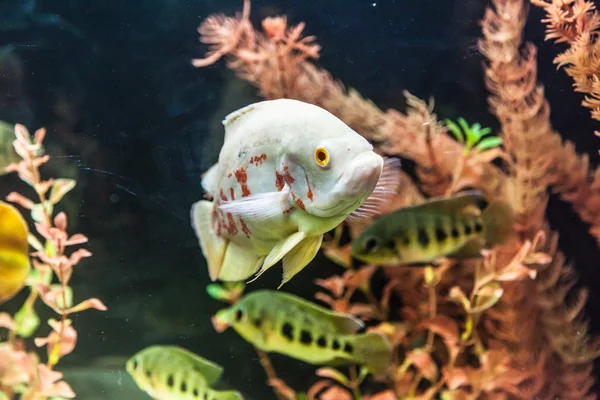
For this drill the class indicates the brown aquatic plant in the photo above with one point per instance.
(21, 370)
(509, 324)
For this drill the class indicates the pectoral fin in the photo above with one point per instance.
(300, 256)
(279, 251)
(213, 246)
(260, 206)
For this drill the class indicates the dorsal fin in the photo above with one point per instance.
(236, 116)
(208, 369)
(209, 180)
(460, 202)
(345, 324)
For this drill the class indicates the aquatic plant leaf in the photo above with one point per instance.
(87, 304)
(489, 142)
(60, 188)
(6, 321)
(37, 212)
(458, 295)
(334, 374)
(455, 130)
(26, 321)
(422, 360)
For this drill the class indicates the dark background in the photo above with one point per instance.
(136, 124)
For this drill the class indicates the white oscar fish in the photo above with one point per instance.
(287, 173)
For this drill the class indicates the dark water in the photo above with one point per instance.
(113, 83)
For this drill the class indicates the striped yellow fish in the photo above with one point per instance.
(174, 373)
(274, 321)
(454, 227)
(14, 252)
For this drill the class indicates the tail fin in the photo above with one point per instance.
(498, 220)
(374, 352)
(229, 395)
(213, 246)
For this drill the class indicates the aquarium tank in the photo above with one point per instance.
(299, 200)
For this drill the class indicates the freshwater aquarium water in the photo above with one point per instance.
(299, 200)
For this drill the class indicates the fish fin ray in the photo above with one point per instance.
(373, 351)
(258, 207)
(213, 247)
(498, 219)
(210, 370)
(383, 194)
(299, 257)
(239, 263)
(279, 251)
(460, 202)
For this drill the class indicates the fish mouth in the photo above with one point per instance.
(354, 185)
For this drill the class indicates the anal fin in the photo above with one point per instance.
(213, 246)
(239, 263)
(299, 257)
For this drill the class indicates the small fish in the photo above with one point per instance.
(288, 172)
(14, 252)
(174, 373)
(454, 227)
(275, 321)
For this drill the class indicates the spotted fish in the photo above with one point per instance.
(274, 321)
(287, 173)
(455, 227)
(14, 252)
(174, 373)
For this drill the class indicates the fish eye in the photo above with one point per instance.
(371, 245)
(322, 156)
(239, 315)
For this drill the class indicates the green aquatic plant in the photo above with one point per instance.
(472, 137)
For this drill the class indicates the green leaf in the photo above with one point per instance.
(485, 131)
(489, 143)
(455, 130)
(464, 125)
(37, 212)
(60, 188)
(26, 321)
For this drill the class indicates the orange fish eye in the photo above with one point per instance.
(322, 157)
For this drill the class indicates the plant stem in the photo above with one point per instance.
(265, 361)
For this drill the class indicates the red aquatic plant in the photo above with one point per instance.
(54, 262)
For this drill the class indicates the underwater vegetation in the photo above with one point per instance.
(22, 373)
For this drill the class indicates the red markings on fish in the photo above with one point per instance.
(245, 228)
(279, 181)
(242, 178)
(289, 210)
(309, 194)
(287, 177)
(229, 175)
(258, 160)
(300, 204)
(231, 194)
(231, 227)
(222, 195)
